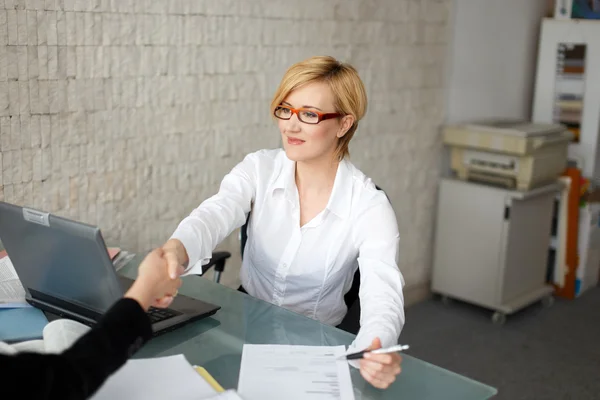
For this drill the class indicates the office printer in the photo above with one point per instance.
(514, 154)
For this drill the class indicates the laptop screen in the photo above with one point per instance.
(59, 258)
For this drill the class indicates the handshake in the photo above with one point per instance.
(159, 276)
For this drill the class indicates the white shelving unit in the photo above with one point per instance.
(556, 33)
(552, 81)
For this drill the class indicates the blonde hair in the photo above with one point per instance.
(348, 90)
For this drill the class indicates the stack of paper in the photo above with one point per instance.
(12, 293)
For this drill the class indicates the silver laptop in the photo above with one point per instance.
(65, 268)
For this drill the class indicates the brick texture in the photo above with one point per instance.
(127, 114)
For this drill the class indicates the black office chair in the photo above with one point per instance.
(350, 323)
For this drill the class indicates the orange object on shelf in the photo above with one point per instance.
(571, 257)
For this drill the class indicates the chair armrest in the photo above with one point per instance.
(218, 261)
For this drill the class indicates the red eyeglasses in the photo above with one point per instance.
(305, 115)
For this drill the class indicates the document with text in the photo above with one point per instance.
(12, 293)
(294, 372)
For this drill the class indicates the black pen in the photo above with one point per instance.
(393, 349)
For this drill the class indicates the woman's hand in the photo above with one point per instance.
(176, 257)
(154, 286)
(380, 370)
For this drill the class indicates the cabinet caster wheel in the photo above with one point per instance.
(499, 318)
(548, 301)
(446, 300)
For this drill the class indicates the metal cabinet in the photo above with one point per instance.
(491, 245)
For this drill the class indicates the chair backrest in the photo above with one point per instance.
(244, 235)
(349, 298)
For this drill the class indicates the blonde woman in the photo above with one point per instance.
(315, 217)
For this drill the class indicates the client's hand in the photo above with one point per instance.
(154, 286)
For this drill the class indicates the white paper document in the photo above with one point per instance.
(294, 372)
(11, 291)
(160, 378)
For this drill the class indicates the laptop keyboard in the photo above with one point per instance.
(160, 314)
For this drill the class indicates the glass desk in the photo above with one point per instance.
(216, 344)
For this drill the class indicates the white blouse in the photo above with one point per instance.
(306, 269)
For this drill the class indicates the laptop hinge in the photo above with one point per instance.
(62, 308)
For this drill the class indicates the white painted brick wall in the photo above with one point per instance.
(127, 113)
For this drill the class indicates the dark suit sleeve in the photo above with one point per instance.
(79, 371)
